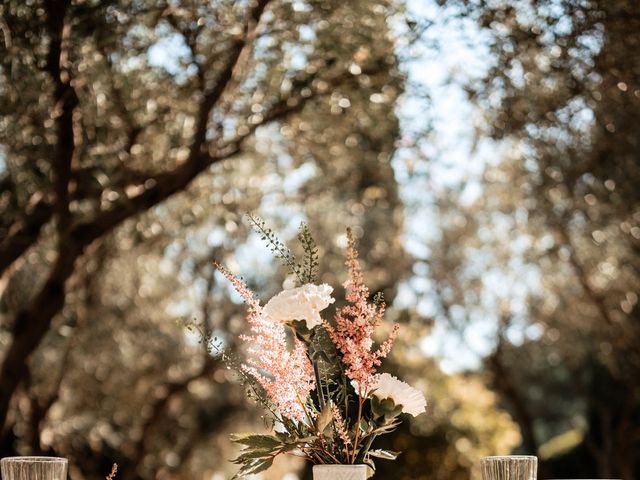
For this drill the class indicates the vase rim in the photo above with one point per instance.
(338, 465)
(35, 459)
(517, 457)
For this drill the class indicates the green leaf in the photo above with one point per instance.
(324, 419)
(250, 455)
(386, 427)
(256, 441)
(256, 466)
(384, 454)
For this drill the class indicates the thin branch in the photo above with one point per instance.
(169, 183)
(191, 39)
(581, 273)
(133, 129)
(225, 77)
(24, 232)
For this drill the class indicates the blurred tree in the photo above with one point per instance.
(90, 144)
(463, 422)
(562, 206)
(118, 119)
(134, 135)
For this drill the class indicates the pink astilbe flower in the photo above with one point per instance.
(286, 376)
(355, 326)
(340, 425)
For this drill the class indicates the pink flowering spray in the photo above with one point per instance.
(286, 376)
(353, 334)
(355, 326)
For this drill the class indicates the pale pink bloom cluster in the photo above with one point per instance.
(341, 426)
(286, 376)
(355, 326)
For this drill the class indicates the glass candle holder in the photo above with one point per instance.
(513, 467)
(34, 468)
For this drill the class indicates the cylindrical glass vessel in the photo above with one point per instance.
(512, 467)
(34, 468)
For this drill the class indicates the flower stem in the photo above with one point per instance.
(366, 447)
(316, 371)
(304, 408)
(358, 418)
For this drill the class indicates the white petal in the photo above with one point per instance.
(411, 399)
(302, 303)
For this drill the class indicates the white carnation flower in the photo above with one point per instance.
(411, 399)
(302, 303)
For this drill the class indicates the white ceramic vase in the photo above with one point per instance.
(340, 472)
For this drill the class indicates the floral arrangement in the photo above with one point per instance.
(318, 379)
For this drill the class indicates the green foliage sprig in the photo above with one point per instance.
(305, 271)
(311, 258)
(277, 247)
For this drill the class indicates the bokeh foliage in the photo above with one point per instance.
(135, 134)
(561, 206)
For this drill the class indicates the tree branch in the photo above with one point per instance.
(214, 94)
(32, 323)
(40, 406)
(24, 233)
(65, 101)
(133, 129)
